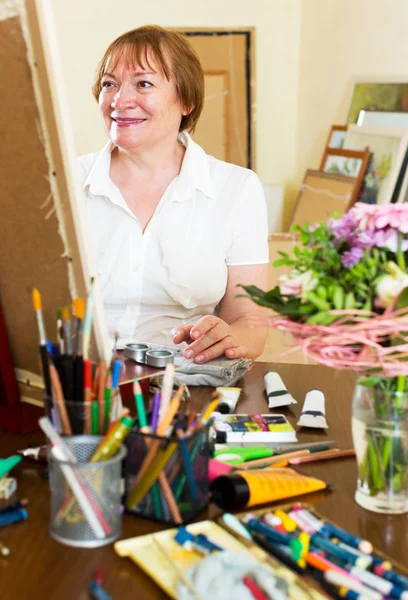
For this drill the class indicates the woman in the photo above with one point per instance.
(174, 230)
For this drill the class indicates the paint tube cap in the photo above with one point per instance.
(220, 437)
(230, 492)
(224, 408)
(127, 421)
(6, 464)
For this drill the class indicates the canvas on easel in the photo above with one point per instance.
(44, 229)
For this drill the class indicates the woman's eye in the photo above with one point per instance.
(107, 84)
(145, 84)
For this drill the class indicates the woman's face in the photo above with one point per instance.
(139, 106)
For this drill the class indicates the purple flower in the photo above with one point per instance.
(344, 229)
(352, 257)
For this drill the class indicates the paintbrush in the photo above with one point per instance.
(87, 324)
(45, 360)
(79, 310)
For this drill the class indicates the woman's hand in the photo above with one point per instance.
(209, 338)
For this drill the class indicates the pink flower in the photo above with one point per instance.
(295, 284)
(363, 213)
(374, 217)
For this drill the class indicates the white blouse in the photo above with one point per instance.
(211, 216)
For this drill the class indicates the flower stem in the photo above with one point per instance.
(400, 254)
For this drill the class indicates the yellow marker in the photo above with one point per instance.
(304, 539)
(287, 522)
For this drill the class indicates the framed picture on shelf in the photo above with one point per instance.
(385, 94)
(373, 118)
(346, 162)
(336, 136)
(321, 195)
(386, 169)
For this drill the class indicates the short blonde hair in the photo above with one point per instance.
(173, 54)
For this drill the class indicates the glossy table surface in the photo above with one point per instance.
(40, 567)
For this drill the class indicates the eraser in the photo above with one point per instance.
(8, 485)
(276, 391)
(313, 412)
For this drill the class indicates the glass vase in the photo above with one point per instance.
(380, 437)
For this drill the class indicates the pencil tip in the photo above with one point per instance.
(65, 313)
(59, 314)
(136, 387)
(36, 299)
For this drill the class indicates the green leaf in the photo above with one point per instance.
(369, 381)
(402, 300)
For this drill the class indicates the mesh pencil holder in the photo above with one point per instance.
(166, 479)
(85, 497)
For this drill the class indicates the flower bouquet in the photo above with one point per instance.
(345, 302)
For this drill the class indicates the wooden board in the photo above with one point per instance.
(44, 230)
(321, 195)
(230, 52)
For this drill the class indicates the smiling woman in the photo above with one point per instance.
(174, 230)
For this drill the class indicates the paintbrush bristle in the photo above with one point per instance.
(36, 299)
(65, 313)
(79, 308)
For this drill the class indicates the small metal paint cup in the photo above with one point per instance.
(136, 352)
(159, 358)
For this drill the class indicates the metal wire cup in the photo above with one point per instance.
(99, 482)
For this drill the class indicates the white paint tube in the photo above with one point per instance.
(313, 412)
(228, 400)
(276, 391)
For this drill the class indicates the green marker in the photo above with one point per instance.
(139, 401)
(235, 456)
(94, 418)
(6, 464)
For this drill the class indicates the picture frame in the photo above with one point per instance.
(374, 118)
(351, 163)
(336, 136)
(382, 93)
(321, 195)
(386, 170)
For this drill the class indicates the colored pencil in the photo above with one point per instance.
(335, 453)
(59, 396)
(266, 462)
(87, 364)
(101, 395)
(161, 459)
(167, 389)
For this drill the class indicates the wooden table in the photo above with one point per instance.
(40, 567)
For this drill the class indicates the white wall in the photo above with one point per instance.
(86, 27)
(342, 39)
(307, 52)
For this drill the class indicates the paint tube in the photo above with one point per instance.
(313, 412)
(276, 391)
(228, 400)
(242, 489)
